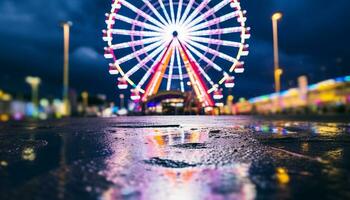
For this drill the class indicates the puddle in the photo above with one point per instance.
(148, 126)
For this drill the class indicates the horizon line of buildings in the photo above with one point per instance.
(329, 96)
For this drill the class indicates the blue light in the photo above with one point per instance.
(313, 87)
(347, 78)
(340, 80)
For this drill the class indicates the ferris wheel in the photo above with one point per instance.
(180, 45)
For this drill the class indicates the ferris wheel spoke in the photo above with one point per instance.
(178, 59)
(196, 11)
(203, 57)
(208, 13)
(171, 68)
(214, 21)
(187, 10)
(154, 84)
(212, 51)
(140, 52)
(190, 49)
(150, 70)
(172, 12)
(144, 61)
(198, 83)
(211, 63)
(135, 43)
(179, 11)
(155, 11)
(216, 41)
(142, 13)
(219, 31)
(165, 11)
(136, 33)
(138, 23)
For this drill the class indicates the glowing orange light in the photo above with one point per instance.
(282, 175)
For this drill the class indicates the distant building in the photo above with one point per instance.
(329, 96)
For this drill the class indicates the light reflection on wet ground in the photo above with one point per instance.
(163, 158)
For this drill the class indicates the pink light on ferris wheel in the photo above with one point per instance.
(230, 82)
(112, 69)
(135, 95)
(122, 84)
(218, 95)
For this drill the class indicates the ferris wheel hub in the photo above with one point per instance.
(175, 33)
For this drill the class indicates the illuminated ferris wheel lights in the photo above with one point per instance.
(108, 53)
(106, 36)
(218, 95)
(239, 67)
(122, 84)
(135, 95)
(235, 5)
(241, 19)
(112, 69)
(117, 6)
(246, 34)
(110, 20)
(245, 50)
(230, 82)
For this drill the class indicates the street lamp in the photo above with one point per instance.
(66, 33)
(277, 70)
(85, 96)
(34, 83)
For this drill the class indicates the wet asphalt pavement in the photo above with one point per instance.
(181, 158)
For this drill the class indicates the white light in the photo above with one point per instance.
(218, 95)
(239, 70)
(113, 72)
(229, 85)
(107, 38)
(108, 56)
(135, 97)
(123, 86)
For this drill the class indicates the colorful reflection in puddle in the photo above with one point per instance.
(329, 130)
(202, 183)
(190, 183)
(273, 129)
(176, 136)
(311, 129)
(153, 181)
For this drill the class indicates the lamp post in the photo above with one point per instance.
(85, 97)
(277, 70)
(66, 34)
(34, 83)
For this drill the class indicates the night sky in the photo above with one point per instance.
(314, 41)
